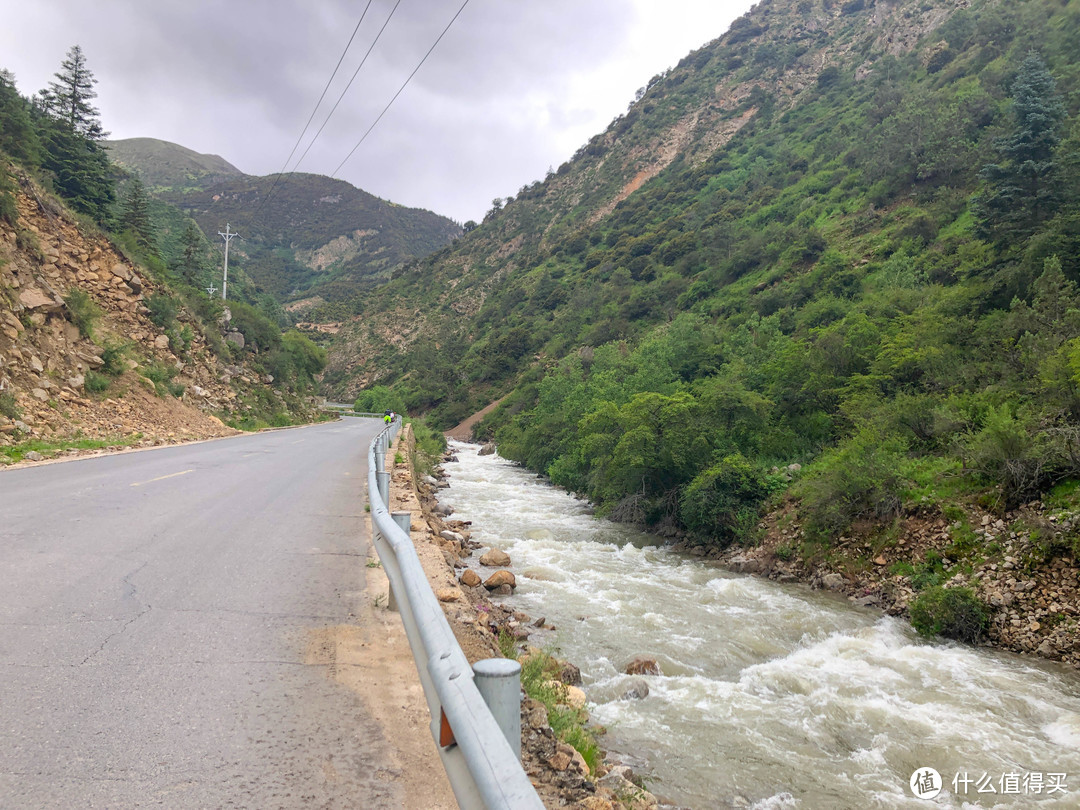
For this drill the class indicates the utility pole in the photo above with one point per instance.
(225, 278)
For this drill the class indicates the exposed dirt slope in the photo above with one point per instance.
(46, 358)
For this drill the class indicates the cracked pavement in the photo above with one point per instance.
(155, 628)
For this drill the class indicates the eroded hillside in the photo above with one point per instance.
(80, 354)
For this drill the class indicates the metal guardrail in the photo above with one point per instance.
(483, 766)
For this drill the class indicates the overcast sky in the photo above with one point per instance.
(514, 87)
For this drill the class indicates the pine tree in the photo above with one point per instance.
(1023, 189)
(71, 135)
(69, 98)
(18, 139)
(135, 215)
(192, 257)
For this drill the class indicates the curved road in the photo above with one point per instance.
(160, 623)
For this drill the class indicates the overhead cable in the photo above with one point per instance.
(400, 89)
(346, 90)
(317, 103)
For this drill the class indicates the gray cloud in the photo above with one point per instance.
(498, 101)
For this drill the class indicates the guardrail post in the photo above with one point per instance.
(382, 479)
(380, 461)
(404, 522)
(499, 683)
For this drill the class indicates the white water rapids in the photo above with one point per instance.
(772, 696)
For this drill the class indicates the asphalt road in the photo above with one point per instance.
(158, 612)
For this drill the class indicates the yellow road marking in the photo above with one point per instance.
(163, 477)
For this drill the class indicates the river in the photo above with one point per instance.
(772, 696)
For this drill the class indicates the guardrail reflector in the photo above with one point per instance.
(446, 734)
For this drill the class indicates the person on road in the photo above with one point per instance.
(388, 416)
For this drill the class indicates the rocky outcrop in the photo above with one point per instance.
(48, 347)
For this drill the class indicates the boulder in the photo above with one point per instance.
(570, 674)
(442, 510)
(637, 689)
(470, 578)
(500, 578)
(235, 338)
(643, 665)
(33, 298)
(448, 594)
(496, 558)
(122, 271)
(502, 590)
(162, 342)
(832, 582)
(33, 455)
(451, 537)
(487, 449)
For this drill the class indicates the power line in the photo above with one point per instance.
(346, 90)
(400, 89)
(317, 104)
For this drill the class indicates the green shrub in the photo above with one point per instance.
(1010, 453)
(96, 383)
(724, 501)
(84, 312)
(8, 407)
(113, 360)
(161, 375)
(950, 612)
(857, 480)
(163, 309)
(9, 213)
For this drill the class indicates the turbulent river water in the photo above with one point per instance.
(772, 696)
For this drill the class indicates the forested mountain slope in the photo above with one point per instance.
(843, 234)
(311, 239)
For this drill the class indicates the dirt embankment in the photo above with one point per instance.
(1021, 565)
(559, 773)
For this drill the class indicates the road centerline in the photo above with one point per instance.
(163, 477)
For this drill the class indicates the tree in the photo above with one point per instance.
(135, 215)
(18, 138)
(1023, 189)
(71, 135)
(192, 255)
(69, 98)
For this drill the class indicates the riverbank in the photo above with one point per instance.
(1022, 566)
(484, 628)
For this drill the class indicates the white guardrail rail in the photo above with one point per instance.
(475, 715)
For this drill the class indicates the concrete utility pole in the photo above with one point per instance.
(225, 278)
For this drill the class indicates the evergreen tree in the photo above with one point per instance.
(69, 98)
(135, 216)
(1023, 189)
(193, 256)
(71, 136)
(17, 136)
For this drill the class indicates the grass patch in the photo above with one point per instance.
(49, 449)
(161, 375)
(539, 679)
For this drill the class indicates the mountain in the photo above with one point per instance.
(842, 238)
(312, 241)
(165, 165)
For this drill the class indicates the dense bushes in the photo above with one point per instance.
(950, 612)
(724, 501)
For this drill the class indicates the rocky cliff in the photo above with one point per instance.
(80, 356)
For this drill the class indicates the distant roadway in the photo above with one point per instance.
(158, 616)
